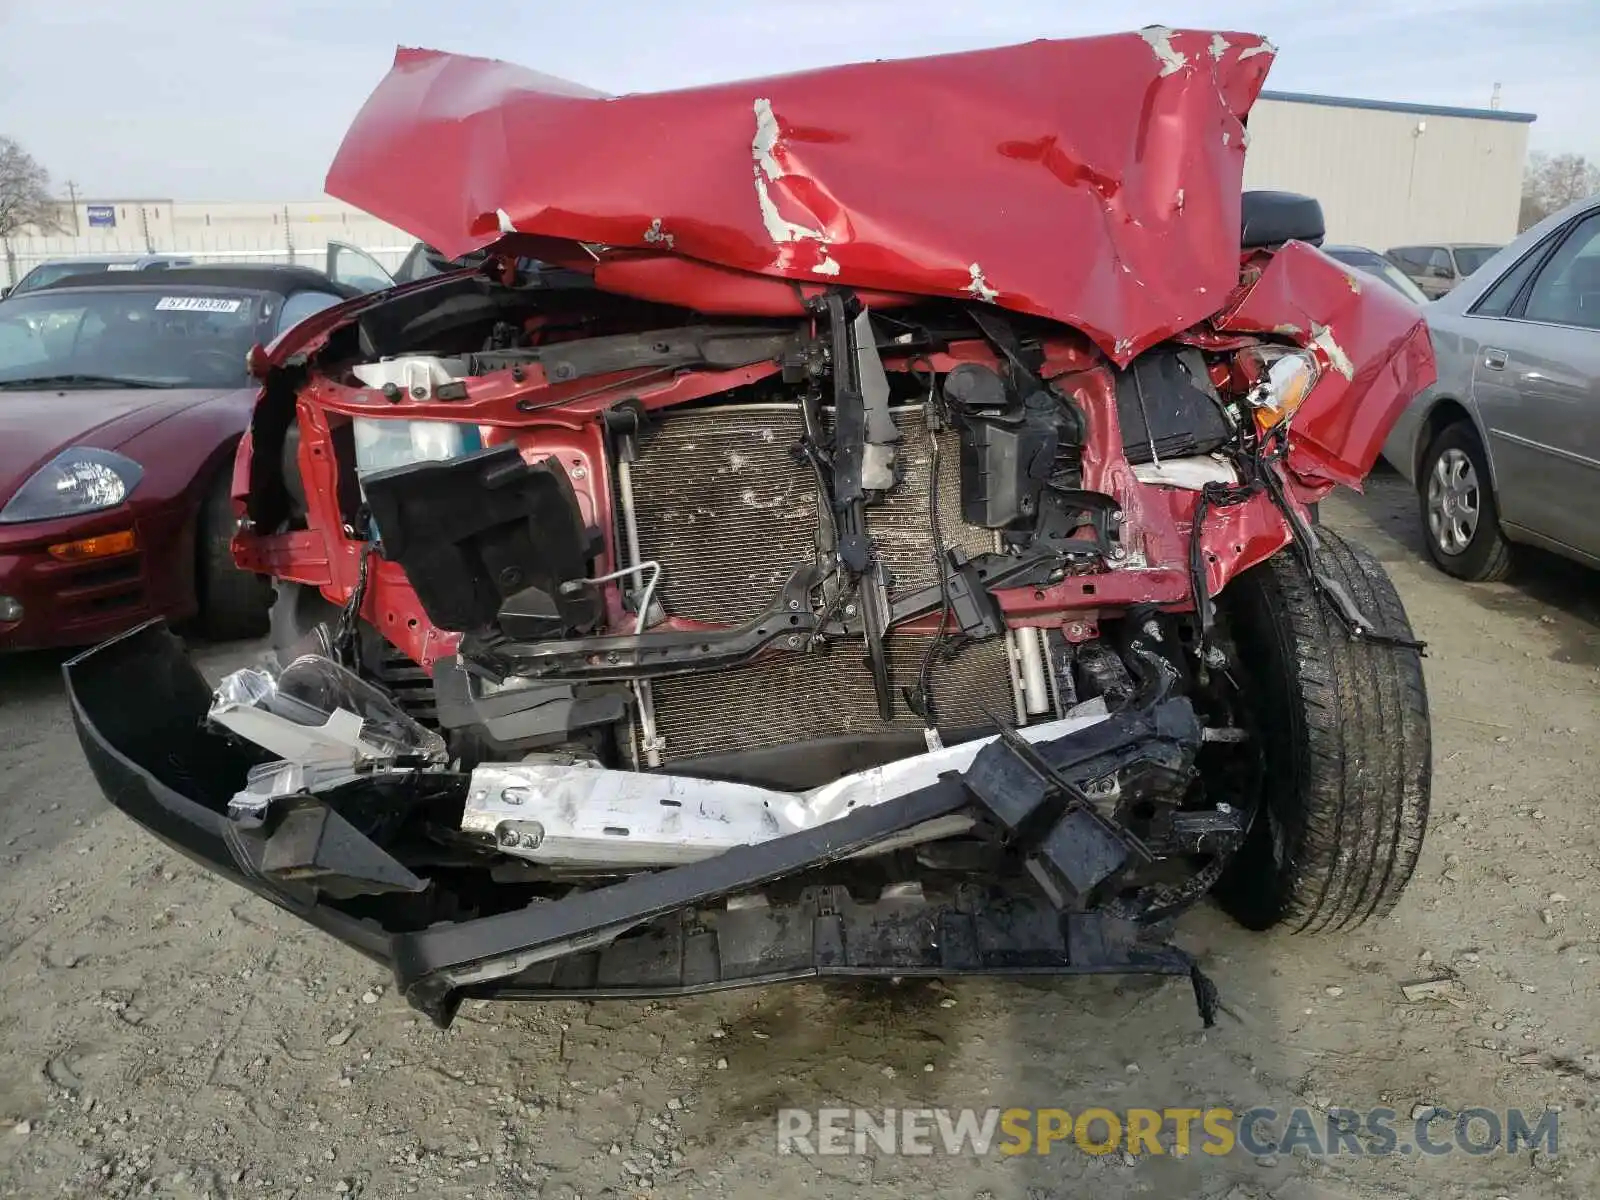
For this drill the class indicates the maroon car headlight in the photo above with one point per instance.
(81, 479)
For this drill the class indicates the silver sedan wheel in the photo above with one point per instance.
(1454, 502)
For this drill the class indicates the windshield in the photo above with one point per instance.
(1369, 263)
(171, 336)
(1395, 278)
(50, 272)
(1470, 258)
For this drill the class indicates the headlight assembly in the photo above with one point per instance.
(80, 479)
(1288, 380)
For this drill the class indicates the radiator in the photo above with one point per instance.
(729, 510)
(795, 697)
(725, 508)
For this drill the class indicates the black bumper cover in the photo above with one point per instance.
(139, 707)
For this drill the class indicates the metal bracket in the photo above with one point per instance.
(786, 625)
(1101, 513)
(603, 820)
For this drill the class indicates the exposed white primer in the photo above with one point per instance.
(979, 287)
(1219, 45)
(1179, 200)
(1160, 38)
(505, 221)
(768, 169)
(1264, 47)
(656, 235)
(1225, 138)
(1322, 339)
(825, 265)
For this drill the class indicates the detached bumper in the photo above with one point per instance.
(654, 934)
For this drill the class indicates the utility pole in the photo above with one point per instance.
(72, 196)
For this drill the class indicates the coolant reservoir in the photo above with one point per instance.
(384, 444)
(415, 374)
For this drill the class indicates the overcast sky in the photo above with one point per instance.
(247, 99)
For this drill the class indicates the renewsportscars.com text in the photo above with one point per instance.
(1159, 1131)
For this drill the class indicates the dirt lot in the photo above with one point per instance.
(162, 1034)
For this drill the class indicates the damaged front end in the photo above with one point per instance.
(1019, 844)
(787, 588)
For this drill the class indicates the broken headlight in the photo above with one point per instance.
(1284, 379)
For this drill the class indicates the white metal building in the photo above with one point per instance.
(1392, 174)
(223, 231)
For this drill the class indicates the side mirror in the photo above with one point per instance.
(5, 291)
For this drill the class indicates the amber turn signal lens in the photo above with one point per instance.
(103, 546)
(1289, 380)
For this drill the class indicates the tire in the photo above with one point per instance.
(1485, 555)
(297, 609)
(1345, 744)
(233, 603)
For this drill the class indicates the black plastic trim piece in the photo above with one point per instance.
(166, 730)
(827, 934)
(717, 347)
(788, 621)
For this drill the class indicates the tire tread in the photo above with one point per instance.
(1350, 792)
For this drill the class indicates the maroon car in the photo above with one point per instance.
(121, 402)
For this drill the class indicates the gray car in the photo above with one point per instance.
(1505, 447)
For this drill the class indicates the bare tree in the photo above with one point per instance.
(1551, 182)
(25, 198)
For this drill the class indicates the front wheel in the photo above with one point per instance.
(1342, 732)
(233, 603)
(1460, 520)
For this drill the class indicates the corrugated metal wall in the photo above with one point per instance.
(1387, 178)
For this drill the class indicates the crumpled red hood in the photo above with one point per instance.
(1094, 181)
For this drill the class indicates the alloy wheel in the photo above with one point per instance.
(1454, 502)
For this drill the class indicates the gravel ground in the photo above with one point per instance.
(164, 1034)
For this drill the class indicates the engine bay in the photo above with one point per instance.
(851, 529)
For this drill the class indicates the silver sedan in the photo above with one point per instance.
(1505, 448)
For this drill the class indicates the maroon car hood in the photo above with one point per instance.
(35, 425)
(1093, 181)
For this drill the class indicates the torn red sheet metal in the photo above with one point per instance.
(1094, 181)
(1372, 342)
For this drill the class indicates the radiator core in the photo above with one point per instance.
(729, 509)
